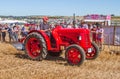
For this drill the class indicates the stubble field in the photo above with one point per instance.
(15, 64)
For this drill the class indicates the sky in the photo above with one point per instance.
(59, 7)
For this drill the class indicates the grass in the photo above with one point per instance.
(16, 65)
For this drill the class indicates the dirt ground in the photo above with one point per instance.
(15, 64)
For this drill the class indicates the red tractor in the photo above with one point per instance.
(75, 42)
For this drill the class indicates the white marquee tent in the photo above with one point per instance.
(12, 21)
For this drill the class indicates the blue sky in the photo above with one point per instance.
(59, 7)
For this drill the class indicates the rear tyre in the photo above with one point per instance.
(75, 55)
(95, 52)
(35, 46)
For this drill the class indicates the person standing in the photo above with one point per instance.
(16, 32)
(4, 30)
(0, 32)
(24, 31)
(85, 26)
(94, 35)
(70, 25)
(100, 32)
(32, 27)
(9, 29)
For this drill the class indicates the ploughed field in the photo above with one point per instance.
(15, 64)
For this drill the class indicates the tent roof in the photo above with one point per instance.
(13, 21)
(94, 20)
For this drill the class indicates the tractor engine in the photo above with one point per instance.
(78, 36)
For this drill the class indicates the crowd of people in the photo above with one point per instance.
(16, 31)
(11, 30)
(98, 35)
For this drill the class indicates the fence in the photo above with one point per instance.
(111, 39)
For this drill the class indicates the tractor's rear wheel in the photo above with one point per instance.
(95, 52)
(75, 55)
(35, 46)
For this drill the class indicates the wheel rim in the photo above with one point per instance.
(33, 47)
(74, 56)
(92, 54)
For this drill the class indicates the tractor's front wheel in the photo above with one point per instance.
(75, 55)
(35, 46)
(95, 52)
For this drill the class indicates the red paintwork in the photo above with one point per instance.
(66, 37)
(74, 56)
(92, 54)
(33, 46)
(47, 39)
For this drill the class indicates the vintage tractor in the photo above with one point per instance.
(75, 42)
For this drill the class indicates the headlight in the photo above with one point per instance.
(89, 50)
(80, 38)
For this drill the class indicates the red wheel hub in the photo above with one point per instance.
(74, 56)
(33, 47)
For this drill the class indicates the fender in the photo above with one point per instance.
(57, 38)
(46, 38)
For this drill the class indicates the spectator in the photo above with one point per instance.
(94, 35)
(85, 26)
(100, 32)
(32, 27)
(16, 32)
(70, 25)
(37, 27)
(90, 26)
(9, 29)
(24, 31)
(0, 32)
(4, 30)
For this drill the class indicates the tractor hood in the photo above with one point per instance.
(72, 31)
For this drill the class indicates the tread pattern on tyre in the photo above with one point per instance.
(82, 52)
(43, 54)
(97, 51)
